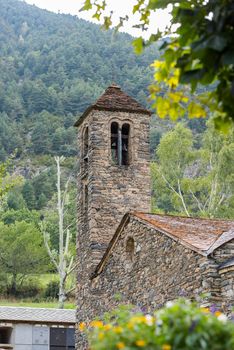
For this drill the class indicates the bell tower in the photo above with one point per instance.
(114, 176)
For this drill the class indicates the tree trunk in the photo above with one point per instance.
(62, 293)
(61, 261)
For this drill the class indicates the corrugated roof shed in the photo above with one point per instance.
(114, 99)
(37, 315)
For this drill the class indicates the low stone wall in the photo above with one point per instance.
(224, 259)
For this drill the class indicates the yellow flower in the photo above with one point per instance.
(205, 310)
(140, 343)
(130, 325)
(218, 313)
(118, 329)
(96, 324)
(137, 319)
(157, 64)
(166, 347)
(173, 81)
(82, 326)
(100, 336)
(120, 345)
(107, 327)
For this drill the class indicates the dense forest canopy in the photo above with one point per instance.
(54, 66)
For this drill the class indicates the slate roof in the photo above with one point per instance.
(114, 99)
(204, 235)
(37, 315)
(200, 235)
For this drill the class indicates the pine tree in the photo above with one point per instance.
(29, 195)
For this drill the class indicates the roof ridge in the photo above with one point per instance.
(37, 315)
(202, 245)
(183, 216)
(115, 99)
(35, 308)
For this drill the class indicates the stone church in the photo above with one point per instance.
(125, 254)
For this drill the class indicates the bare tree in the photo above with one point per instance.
(61, 259)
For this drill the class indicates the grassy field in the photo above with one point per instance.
(25, 303)
(43, 280)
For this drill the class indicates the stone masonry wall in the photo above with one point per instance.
(114, 190)
(227, 288)
(224, 253)
(161, 270)
(223, 257)
(107, 191)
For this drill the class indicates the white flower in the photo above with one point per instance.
(169, 304)
(222, 318)
(149, 320)
(159, 324)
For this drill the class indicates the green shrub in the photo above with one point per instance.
(3, 284)
(52, 290)
(178, 326)
(30, 288)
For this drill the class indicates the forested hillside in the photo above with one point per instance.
(52, 67)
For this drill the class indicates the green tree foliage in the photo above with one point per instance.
(191, 181)
(200, 50)
(53, 67)
(10, 216)
(10, 141)
(7, 181)
(175, 153)
(29, 195)
(22, 252)
(4, 187)
(39, 190)
(50, 216)
(15, 199)
(44, 186)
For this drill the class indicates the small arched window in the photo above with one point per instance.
(125, 144)
(120, 143)
(130, 248)
(86, 144)
(114, 142)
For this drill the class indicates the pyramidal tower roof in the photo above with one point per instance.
(114, 99)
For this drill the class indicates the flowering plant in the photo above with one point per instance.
(180, 325)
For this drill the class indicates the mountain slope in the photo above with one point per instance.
(52, 67)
